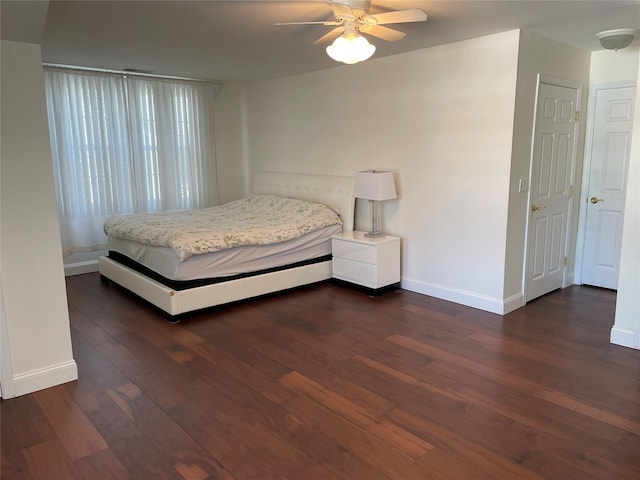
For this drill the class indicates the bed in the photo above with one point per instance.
(179, 287)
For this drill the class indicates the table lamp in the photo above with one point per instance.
(375, 186)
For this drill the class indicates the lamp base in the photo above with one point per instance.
(374, 226)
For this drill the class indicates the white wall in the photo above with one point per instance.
(230, 141)
(608, 66)
(442, 120)
(626, 329)
(35, 307)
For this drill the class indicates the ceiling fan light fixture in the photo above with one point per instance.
(616, 39)
(350, 49)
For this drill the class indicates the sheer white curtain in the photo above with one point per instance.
(126, 145)
(168, 131)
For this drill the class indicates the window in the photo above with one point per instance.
(124, 145)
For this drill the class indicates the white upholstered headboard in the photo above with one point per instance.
(332, 190)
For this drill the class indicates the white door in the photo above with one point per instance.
(552, 164)
(610, 152)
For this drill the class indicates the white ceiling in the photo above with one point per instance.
(235, 40)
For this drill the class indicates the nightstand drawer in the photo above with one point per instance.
(357, 272)
(373, 263)
(354, 251)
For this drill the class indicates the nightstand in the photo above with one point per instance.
(370, 263)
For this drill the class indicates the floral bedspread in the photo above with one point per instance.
(255, 220)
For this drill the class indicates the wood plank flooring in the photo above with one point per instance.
(326, 383)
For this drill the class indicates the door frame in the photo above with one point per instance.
(586, 171)
(560, 82)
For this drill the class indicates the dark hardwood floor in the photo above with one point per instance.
(327, 383)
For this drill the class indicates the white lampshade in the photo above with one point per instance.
(350, 48)
(375, 185)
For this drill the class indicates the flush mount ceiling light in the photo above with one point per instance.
(616, 39)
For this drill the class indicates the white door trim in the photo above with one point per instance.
(560, 82)
(586, 169)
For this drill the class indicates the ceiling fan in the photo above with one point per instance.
(351, 19)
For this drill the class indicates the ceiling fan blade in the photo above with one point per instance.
(343, 12)
(329, 22)
(400, 16)
(386, 33)
(330, 36)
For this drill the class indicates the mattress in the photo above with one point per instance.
(254, 220)
(227, 263)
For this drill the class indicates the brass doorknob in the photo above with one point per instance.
(535, 208)
(596, 200)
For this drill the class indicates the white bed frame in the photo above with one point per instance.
(332, 190)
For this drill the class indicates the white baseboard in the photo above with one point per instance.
(42, 378)
(80, 268)
(512, 303)
(465, 297)
(569, 280)
(625, 338)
